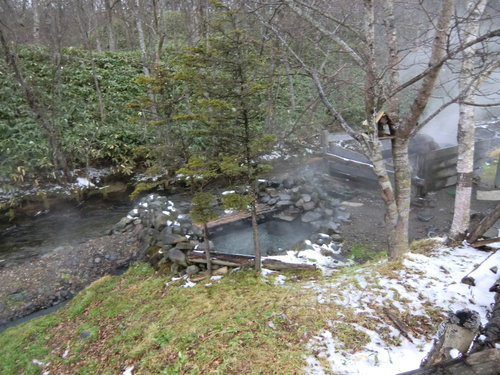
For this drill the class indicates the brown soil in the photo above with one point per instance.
(432, 218)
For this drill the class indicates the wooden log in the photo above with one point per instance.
(486, 362)
(484, 225)
(221, 259)
(232, 260)
(491, 331)
(485, 242)
(237, 216)
(458, 333)
(277, 265)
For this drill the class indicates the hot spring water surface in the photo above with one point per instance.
(275, 236)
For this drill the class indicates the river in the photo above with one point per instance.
(67, 224)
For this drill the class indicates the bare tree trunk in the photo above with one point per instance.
(109, 25)
(58, 157)
(207, 249)
(387, 193)
(402, 177)
(95, 26)
(86, 37)
(142, 41)
(255, 235)
(36, 21)
(466, 126)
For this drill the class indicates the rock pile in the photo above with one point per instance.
(316, 200)
(167, 234)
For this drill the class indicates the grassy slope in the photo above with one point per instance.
(243, 324)
(136, 320)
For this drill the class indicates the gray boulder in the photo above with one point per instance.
(192, 269)
(168, 238)
(177, 256)
(311, 216)
(308, 206)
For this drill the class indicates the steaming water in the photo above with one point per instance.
(70, 224)
(275, 235)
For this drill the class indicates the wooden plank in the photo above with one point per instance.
(237, 216)
(482, 243)
(233, 260)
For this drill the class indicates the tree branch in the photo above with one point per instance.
(445, 58)
(437, 54)
(342, 43)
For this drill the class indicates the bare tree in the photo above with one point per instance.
(36, 20)
(41, 115)
(380, 63)
(469, 82)
(109, 8)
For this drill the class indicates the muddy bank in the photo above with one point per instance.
(55, 277)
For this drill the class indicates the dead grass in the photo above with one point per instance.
(426, 246)
(240, 325)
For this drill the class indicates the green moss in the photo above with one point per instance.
(361, 253)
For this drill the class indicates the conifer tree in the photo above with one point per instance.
(226, 79)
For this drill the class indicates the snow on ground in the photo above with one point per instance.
(419, 293)
(326, 257)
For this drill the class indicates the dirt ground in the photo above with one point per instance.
(433, 218)
(367, 226)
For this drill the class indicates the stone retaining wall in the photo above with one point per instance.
(166, 232)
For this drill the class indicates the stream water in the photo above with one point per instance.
(67, 224)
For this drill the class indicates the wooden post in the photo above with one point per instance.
(486, 362)
(458, 333)
(497, 177)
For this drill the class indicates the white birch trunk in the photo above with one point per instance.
(466, 126)
(402, 176)
(140, 36)
(36, 21)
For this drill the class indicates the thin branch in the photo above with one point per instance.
(482, 105)
(444, 59)
(342, 43)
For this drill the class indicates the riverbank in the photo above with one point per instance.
(143, 322)
(57, 276)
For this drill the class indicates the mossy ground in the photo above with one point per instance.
(239, 325)
(242, 324)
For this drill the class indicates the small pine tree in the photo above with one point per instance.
(202, 211)
(226, 78)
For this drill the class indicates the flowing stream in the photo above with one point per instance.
(67, 224)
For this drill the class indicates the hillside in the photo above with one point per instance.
(244, 323)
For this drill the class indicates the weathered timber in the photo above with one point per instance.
(402, 327)
(234, 217)
(277, 265)
(484, 225)
(486, 362)
(468, 279)
(232, 260)
(485, 242)
(221, 259)
(458, 333)
(491, 331)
